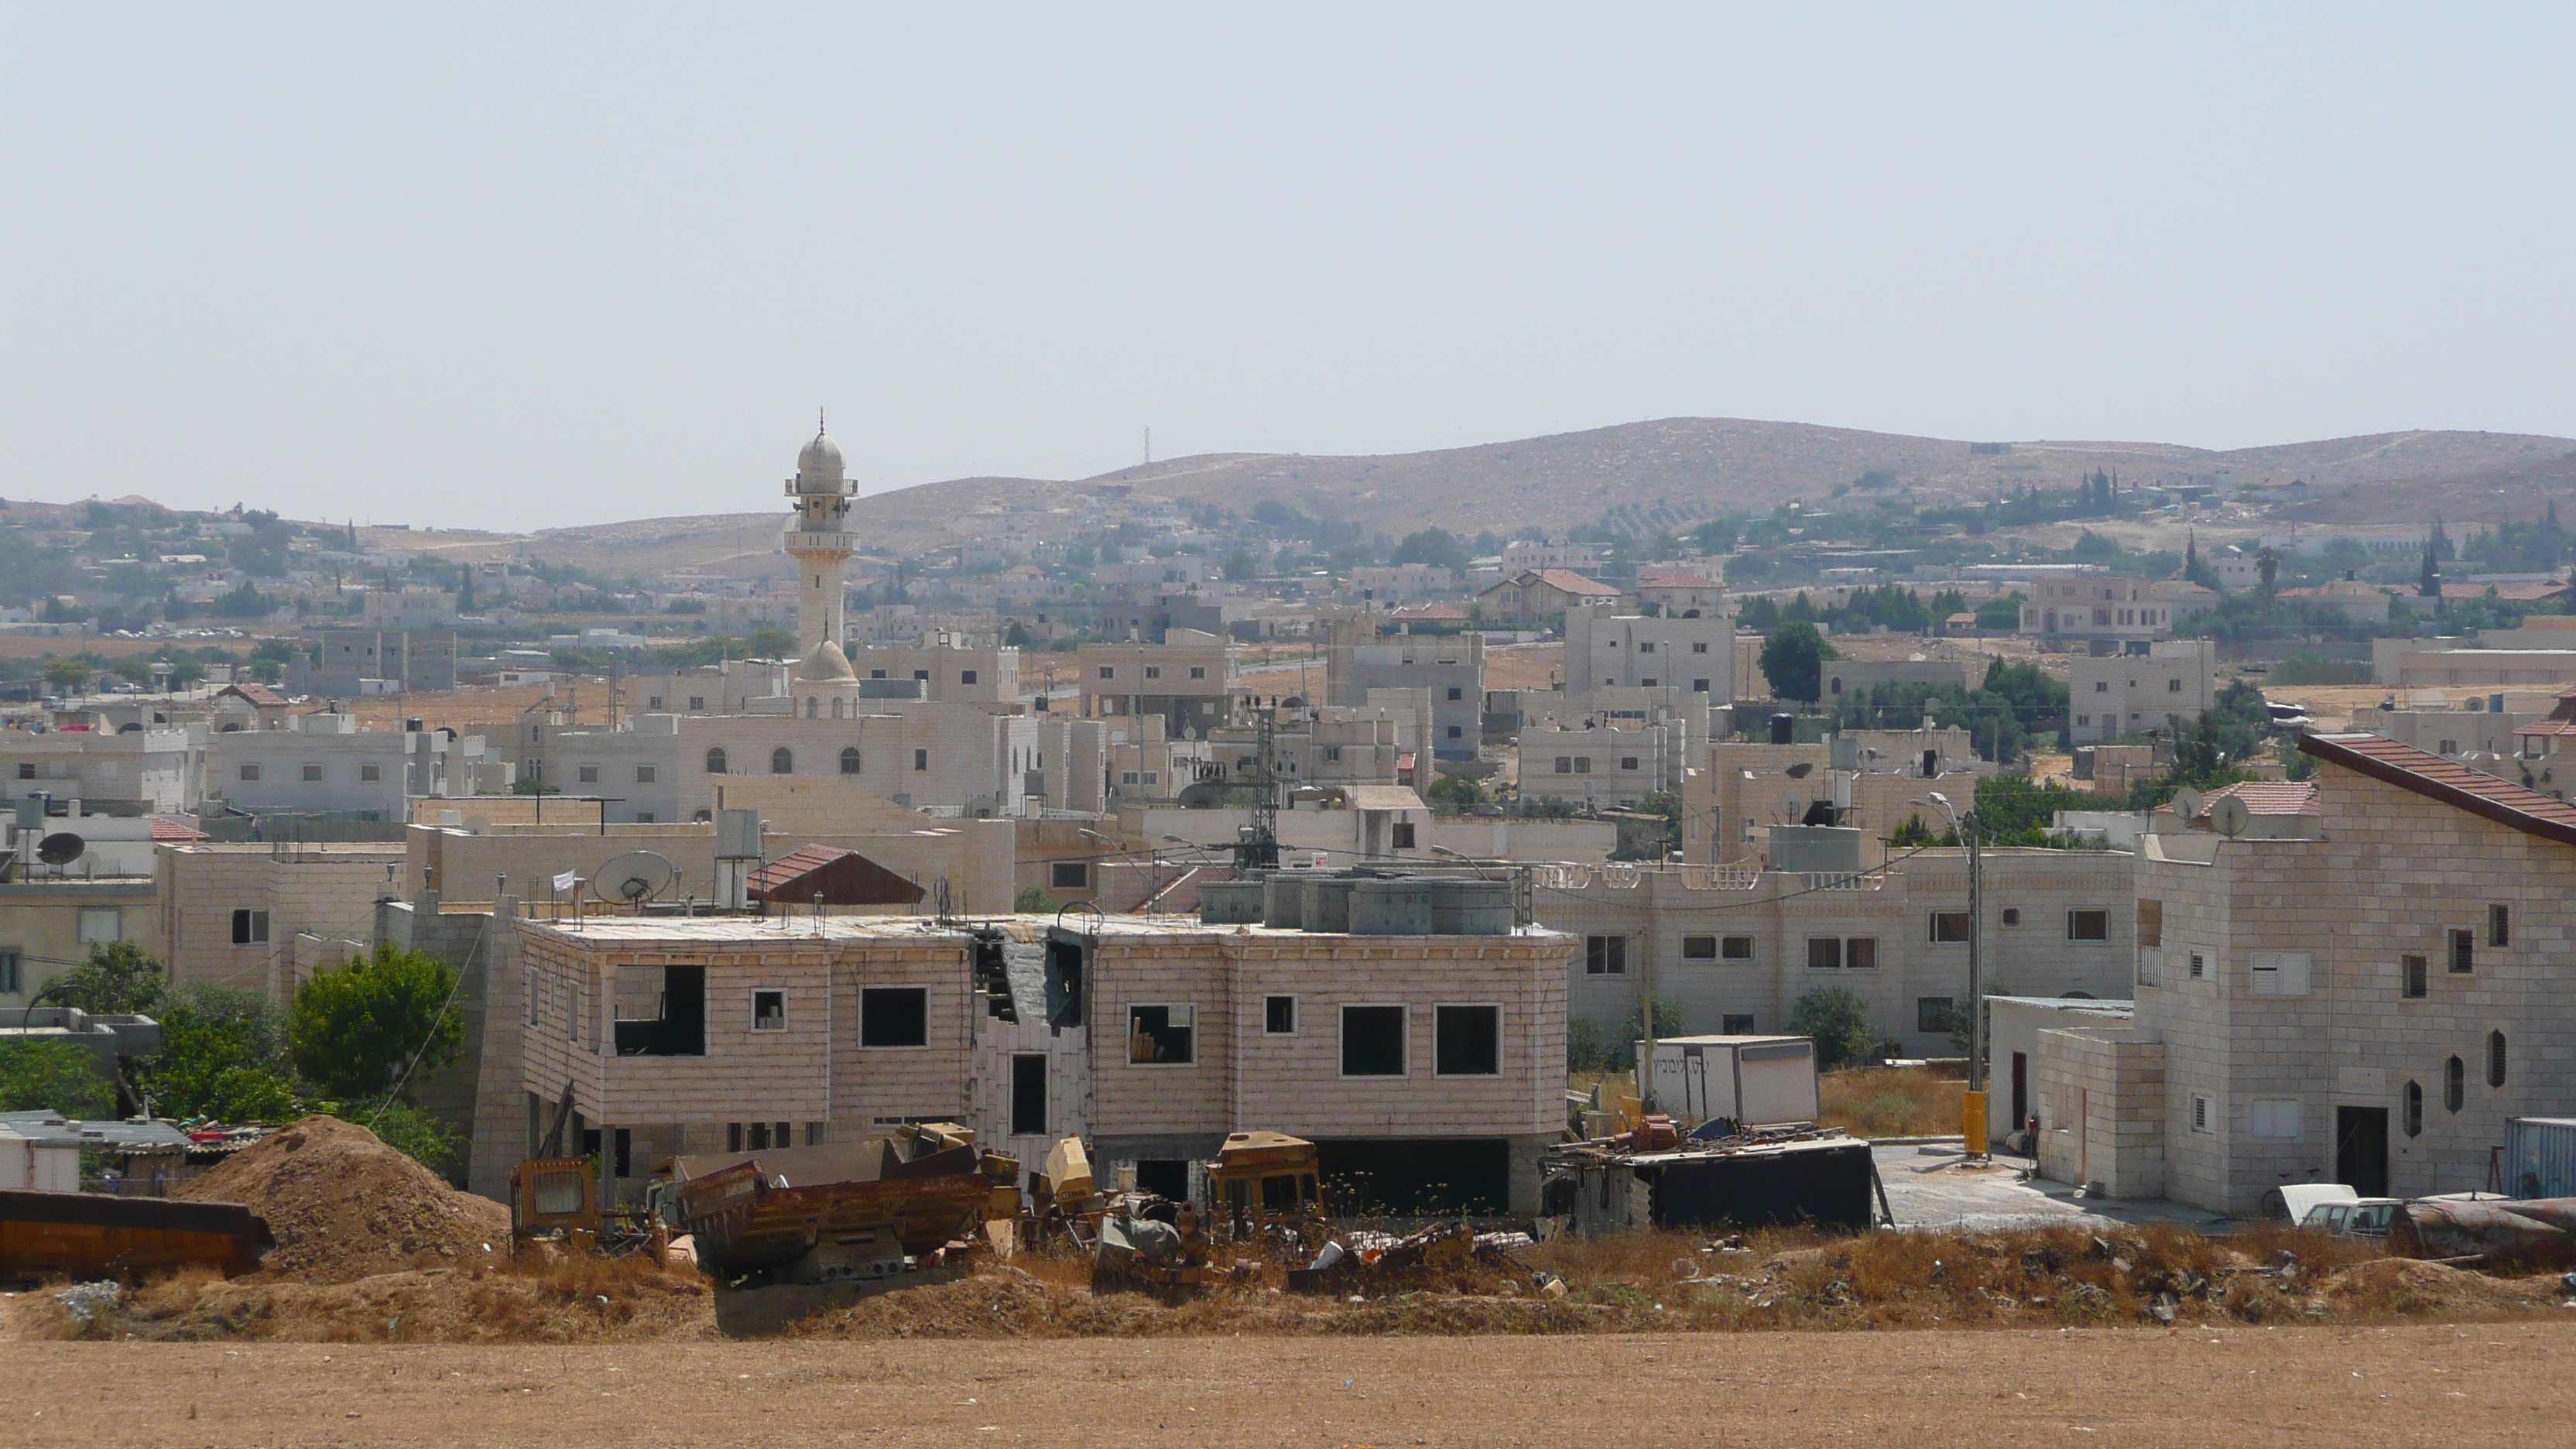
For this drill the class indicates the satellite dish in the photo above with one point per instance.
(61, 848)
(1790, 808)
(1800, 770)
(2186, 803)
(2230, 816)
(633, 878)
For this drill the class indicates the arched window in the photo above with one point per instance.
(2455, 1082)
(850, 760)
(2495, 1059)
(782, 761)
(715, 760)
(836, 706)
(701, 817)
(2414, 1123)
(810, 704)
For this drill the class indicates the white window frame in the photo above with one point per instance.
(783, 1018)
(115, 925)
(2102, 940)
(1438, 1075)
(927, 996)
(1752, 947)
(370, 774)
(256, 929)
(1127, 1031)
(1694, 936)
(1341, 1035)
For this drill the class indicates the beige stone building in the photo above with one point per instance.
(267, 917)
(1738, 946)
(1191, 680)
(48, 926)
(1412, 1060)
(2365, 1004)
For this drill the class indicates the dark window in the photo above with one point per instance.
(313, 772)
(1457, 732)
(921, 674)
(250, 772)
(2411, 973)
(1860, 953)
(1699, 686)
(716, 761)
(2088, 925)
(9, 970)
(377, 772)
(1935, 1014)
(1824, 953)
(1400, 835)
(733, 1137)
(966, 676)
(587, 774)
(2151, 923)
(1160, 1034)
(1735, 948)
(26, 769)
(1738, 1024)
(644, 774)
(1627, 762)
(2012, 914)
(1456, 693)
(850, 760)
(782, 761)
(1467, 1041)
(769, 1011)
(1028, 1094)
(1108, 673)
(921, 759)
(1373, 1040)
(1605, 955)
(1949, 927)
(1565, 764)
(2414, 1119)
(2199, 967)
(250, 928)
(1070, 875)
(2464, 952)
(2455, 1084)
(1699, 948)
(2499, 925)
(1279, 1015)
(661, 1011)
(2495, 1059)
(894, 1016)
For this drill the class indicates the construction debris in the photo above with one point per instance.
(92, 1236)
(1760, 1177)
(825, 1214)
(2532, 1233)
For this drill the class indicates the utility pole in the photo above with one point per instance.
(1972, 1110)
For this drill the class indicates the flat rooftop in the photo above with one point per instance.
(747, 930)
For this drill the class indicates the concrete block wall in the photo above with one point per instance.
(2098, 1097)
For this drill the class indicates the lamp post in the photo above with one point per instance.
(1972, 1113)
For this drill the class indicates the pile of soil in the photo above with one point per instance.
(2412, 1288)
(345, 1206)
(583, 1300)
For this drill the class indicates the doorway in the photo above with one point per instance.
(2021, 1092)
(1029, 1094)
(2361, 1149)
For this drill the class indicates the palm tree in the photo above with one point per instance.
(2268, 561)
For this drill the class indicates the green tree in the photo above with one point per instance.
(66, 675)
(1793, 659)
(1838, 1023)
(223, 1056)
(1454, 793)
(116, 980)
(1241, 567)
(1031, 901)
(415, 1134)
(355, 1032)
(1435, 546)
(770, 643)
(2267, 561)
(54, 1076)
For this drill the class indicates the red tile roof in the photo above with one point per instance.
(792, 865)
(1675, 579)
(258, 694)
(175, 832)
(2270, 797)
(1571, 582)
(2435, 778)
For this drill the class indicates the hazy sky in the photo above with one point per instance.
(530, 265)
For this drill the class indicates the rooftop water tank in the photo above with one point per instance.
(1231, 902)
(1400, 907)
(1327, 904)
(1471, 907)
(1284, 895)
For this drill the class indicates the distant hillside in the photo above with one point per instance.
(1672, 470)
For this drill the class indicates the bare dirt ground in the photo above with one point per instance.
(2290, 1386)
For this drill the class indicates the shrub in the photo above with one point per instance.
(1839, 1025)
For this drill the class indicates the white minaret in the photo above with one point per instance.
(819, 542)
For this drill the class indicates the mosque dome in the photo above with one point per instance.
(821, 457)
(827, 664)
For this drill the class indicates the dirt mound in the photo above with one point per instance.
(344, 1206)
(2413, 1288)
(575, 1300)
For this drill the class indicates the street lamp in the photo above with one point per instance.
(1972, 1114)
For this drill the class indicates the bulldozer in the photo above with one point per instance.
(1265, 1197)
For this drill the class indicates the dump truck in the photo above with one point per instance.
(825, 1214)
(92, 1235)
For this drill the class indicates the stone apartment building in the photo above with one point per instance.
(2112, 695)
(1737, 946)
(2364, 1004)
(949, 670)
(47, 926)
(921, 754)
(266, 917)
(1605, 649)
(153, 771)
(1603, 763)
(1868, 779)
(1412, 1059)
(1191, 679)
(2116, 611)
(1361, 666)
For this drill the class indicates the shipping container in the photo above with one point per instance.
(1750, 1081)
(2539, 1157)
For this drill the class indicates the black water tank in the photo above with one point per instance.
(1784, 729)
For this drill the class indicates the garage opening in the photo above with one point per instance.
(1416, 1176)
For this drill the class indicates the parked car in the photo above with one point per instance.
(2293, 1201)
(2362, 1218)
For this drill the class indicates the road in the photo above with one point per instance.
(2096, 1389)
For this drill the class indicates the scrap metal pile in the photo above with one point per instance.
(2534, 1232)
(1651, 1176)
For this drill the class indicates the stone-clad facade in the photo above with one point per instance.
(1247, 1031)
(2368, 1007)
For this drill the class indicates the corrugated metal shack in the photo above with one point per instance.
(1761, 1178)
